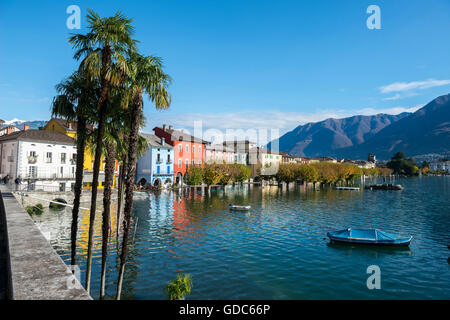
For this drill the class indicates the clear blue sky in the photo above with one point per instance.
(244, 63)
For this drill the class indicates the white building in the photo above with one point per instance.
(217, 153)
(440, 166)
(43, 160)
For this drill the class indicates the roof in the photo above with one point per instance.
(65, 124)
(155, 141)
(39, 135)
(219, 147)
(178, 135)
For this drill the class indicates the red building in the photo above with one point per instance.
(188, 150)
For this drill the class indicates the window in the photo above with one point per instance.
(179, 163)
(158, 158)
(32, 171)
(187, 148)
(158, 170)
(193, 162)
(168, 159)
(63, 158)
(193, 149)
(61, 170)
(199, 149)
(62, 187)
(180, 148)
(187, 164)
(74, 157)
(48, 158)
(168, 169)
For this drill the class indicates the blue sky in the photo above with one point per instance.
(244, 63)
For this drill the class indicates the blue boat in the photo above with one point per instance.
(368, 236)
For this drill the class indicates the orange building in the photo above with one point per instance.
(188, 150)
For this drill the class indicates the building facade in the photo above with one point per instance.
(69, 128)
(42, 160)
(218, 153)
(188, 150)
(155, 167)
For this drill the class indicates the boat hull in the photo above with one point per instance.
(404, 242)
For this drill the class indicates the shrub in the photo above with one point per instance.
(180, 287)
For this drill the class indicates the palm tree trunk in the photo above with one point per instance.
(81, 145)
(102, 102)
(129, 185)
(109, 173)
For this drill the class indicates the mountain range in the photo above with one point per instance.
(35, 124)
(426, 131)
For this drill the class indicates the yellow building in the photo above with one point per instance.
(70, 128)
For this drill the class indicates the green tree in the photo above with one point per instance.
(104, 49)
(76, 101)
(244, 173)
(194, 176)
(146, 77)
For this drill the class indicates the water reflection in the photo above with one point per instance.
(277, 249)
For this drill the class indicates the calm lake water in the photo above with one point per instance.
(278, 249)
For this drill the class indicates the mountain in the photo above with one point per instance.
(35, 124)
(424, 132)
(323, 138)
(427, 131)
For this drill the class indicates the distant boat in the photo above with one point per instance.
(348, 188)
(368, 236)
(384, 187)
(239, 208)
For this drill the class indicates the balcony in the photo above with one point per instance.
(32, 159)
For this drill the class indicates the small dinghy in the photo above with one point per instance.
(348, 188)
(368, 236)
(239, 208)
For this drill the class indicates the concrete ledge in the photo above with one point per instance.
(37, 271)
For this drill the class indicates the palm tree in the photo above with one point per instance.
(146, 76)
(75, 102)
(104, 49)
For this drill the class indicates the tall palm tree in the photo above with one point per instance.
(109, 152)
(76, 101)
(104, 49)
(146, 76)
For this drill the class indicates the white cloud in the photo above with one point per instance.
(268, 119)
(414, 85)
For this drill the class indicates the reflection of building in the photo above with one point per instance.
(188, 150)
(156, 165)
(69, 128)
(44, 160)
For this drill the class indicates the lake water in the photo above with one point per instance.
(278, 249)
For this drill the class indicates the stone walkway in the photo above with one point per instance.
(38, 272)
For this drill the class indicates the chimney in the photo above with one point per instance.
(164, 127)
(163, 141)
(26, 127)
(170, 127)
(9, 130)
